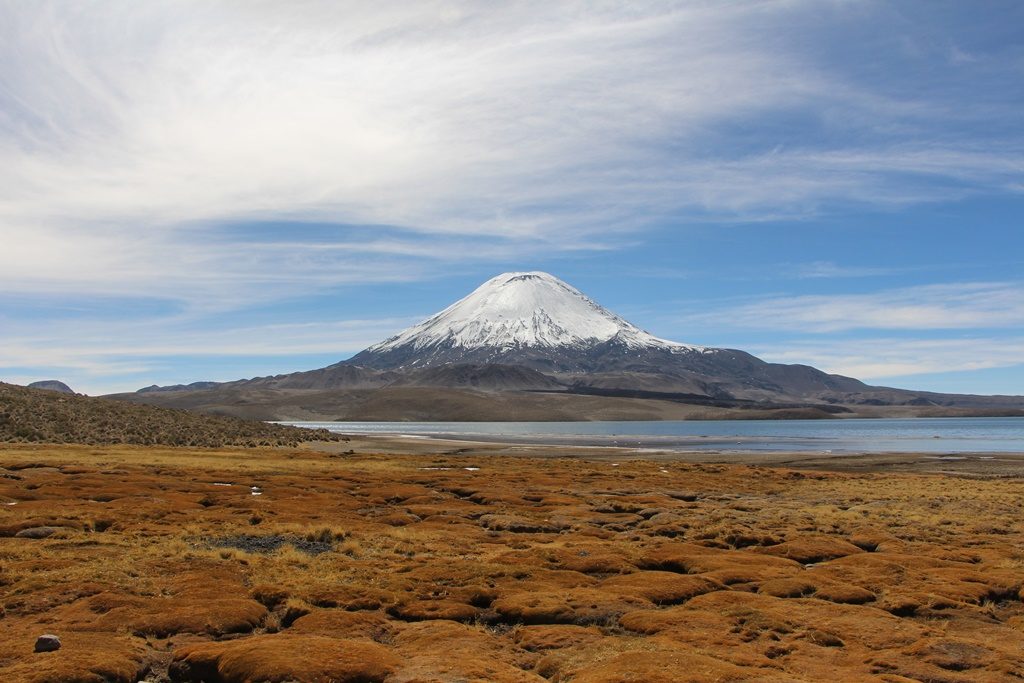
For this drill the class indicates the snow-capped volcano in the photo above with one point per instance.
(535, 321)
(527, 346)
(517, 310)
(532, 318)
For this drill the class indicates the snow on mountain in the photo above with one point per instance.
(525, 310)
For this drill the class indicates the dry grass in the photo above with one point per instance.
(650, 573)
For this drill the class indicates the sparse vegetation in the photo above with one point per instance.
(38, 416)
(644, 570)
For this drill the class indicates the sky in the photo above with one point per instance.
(202, 190)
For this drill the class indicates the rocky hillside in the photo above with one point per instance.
(36, 415)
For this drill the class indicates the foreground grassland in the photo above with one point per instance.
(422, 568)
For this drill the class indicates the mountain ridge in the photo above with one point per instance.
(528, 344)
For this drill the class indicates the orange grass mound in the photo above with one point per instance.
(662, 667)
(443, 651)
(572, 606)
(284, 657)
(661, 588)
(812, 550)
(162, 566)
(108, 657)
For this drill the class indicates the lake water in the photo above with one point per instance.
(928, 435)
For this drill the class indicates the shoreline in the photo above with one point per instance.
(935, 436)
(985, 464)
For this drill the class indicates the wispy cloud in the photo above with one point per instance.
(131, 133)
(87, 356)
(91, 348)
(974, 305)
(879, 358)
(828, 269)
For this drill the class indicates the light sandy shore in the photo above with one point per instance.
(963, 464)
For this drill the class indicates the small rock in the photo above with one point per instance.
(36, 532)
(47, 643)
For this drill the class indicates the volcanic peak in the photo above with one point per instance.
(525, 310)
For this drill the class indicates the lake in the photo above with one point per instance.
(928, 435)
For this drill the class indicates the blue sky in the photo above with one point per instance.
(214, 190)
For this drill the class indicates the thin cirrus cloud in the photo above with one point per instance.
(880, 358)
(975, 305)
(87, 353)
(110, 356)
(829, 269)
(132, 133)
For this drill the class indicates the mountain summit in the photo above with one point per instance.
(517, 310)
(516, 317)
(52, 385)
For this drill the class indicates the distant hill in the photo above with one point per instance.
(195, 386)
(52, 385)
(36, 415)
